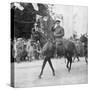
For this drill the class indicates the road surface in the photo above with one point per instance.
(26, 73)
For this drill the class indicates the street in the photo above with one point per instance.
(26, 73)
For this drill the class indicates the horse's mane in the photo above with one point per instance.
(41, 37)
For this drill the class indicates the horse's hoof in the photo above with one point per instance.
(72, 61)
(18, 62)
(86, 62)
(69, 69)
(66, 66)
(54, 74)
(39, 76)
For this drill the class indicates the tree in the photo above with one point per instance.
(23, 19)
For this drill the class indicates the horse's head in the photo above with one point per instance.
(39, 36)
(35, 36)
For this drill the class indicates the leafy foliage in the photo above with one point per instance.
(22, 21)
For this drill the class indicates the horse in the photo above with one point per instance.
(84, 40)
(49, 49)
(79, 49)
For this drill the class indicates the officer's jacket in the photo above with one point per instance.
(59, 32)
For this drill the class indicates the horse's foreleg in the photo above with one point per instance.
(44, 63)
(67, 63)
(70, 60)
(50, 63)
(78, 58)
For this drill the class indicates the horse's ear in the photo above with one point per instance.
(52, 29)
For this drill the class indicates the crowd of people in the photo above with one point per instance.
(25, 50)
(28, 49)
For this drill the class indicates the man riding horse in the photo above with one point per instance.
(55, 46)
(58, 32)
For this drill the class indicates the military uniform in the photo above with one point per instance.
(58, 33)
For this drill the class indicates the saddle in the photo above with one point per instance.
(59, 42)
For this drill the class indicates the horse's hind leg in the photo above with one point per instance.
(74, 58)
(78, 58)
(69, 62)
(50, 63)
(44, 63)
(86, 59)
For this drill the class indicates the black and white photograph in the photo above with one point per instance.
(49, 44)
